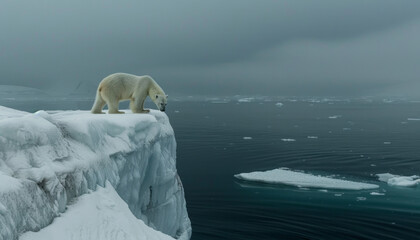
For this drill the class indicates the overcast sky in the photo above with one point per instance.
(217, 47)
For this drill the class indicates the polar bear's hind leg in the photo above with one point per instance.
(99, 103)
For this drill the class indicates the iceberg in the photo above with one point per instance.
(303, 180)
(49, 159)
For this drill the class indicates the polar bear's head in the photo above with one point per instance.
(160, 100)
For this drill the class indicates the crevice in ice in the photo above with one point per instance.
(149, 206)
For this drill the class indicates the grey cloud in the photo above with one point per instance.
(193, 45)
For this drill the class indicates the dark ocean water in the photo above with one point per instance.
(355, 140)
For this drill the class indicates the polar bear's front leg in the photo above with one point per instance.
(137, 105)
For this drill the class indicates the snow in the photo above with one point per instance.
(49, 159)
(399, 181)
(8, 183)
(10, 113)
(299, 179)
(100, 215)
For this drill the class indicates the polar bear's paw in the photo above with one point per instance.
(141, 111)
(115, 112)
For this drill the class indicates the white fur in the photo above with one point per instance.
(122, 86)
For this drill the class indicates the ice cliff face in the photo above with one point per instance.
(48, 159)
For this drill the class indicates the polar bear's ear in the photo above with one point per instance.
(166, 96)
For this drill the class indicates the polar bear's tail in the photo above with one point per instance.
(99, 103)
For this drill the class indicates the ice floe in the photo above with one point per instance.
(299, 179)
(288, 140)
(377, 194)
(400, 181)
(246, 100)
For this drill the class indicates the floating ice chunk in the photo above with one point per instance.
(384, 177)
(279, 104)
(313, 137)
(334, 117)
(299, 179)
(360, 198)
(247, 138)
(413, 119)
(288, 140)
(397, 180)
(387, 143)
(403, 181)
(245, 100)
(100, 215)
(377, 194)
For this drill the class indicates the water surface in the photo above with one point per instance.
(347, 139)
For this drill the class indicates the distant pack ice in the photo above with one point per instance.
(49, 159)
(299, 179)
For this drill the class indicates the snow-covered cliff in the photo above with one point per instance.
(49, 159)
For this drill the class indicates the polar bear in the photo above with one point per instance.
(122, 86)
